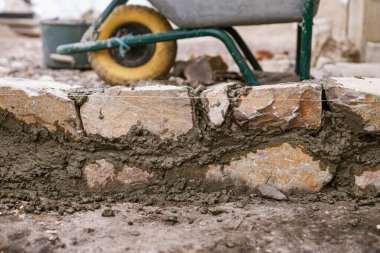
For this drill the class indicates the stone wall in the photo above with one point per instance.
(298, 137)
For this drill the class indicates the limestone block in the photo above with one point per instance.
(285, 167)
(216, 102)
(163, 110)
(45, 104)
(283, 106)
(361, 96)
(101, 172)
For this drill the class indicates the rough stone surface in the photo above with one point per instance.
(245, 145)
(359, 95)
(280, 107)
(45, 104)
(368, 179)
(268, 191)
(216, 102)
(101, 172)
(200, 70)
(163, 110)
(285, 167)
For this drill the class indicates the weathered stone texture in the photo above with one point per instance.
(286, 106)
(368, 179)
(216, 102)
(101, 172)
(45, 104)
(287, 168)
(203, 69)
(163, 110)
(361, 96)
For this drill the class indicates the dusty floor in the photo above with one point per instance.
(263, 226)
(253, 225)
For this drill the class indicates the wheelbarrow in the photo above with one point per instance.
(130, 42)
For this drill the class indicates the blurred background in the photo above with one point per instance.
(346, 38)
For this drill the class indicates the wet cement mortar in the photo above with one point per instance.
(36, 163)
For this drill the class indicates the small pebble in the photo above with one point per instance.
(217, 210)
(203, 210)
(315, 208)
(29, 208)
(135, 233)
(354, 222)
(172, 219)
(89, 230)
(240, 204)
(96, 206)
(108, 213)
(230, 244)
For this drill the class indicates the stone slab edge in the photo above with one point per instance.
(45, 104)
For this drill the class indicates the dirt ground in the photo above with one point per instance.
(259, 226)
(249, 225)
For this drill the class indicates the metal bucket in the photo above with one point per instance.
(59, 32)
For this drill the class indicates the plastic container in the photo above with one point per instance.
(58, 32)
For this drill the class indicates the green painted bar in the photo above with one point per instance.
(168, 36)
(306, 40)
(244, 48)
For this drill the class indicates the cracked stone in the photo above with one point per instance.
(285, 167)
(45, 104)
(359, 95)
(216, 102)
(283, 106)
(163, 110)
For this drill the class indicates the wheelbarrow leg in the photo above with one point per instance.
(236, 55)
(244, 48)
(306, 40)
(298, 52)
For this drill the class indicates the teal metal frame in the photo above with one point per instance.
(228, 35)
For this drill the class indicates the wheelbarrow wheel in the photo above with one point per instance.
(140, 62)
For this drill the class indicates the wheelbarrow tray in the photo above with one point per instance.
(226, 13)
